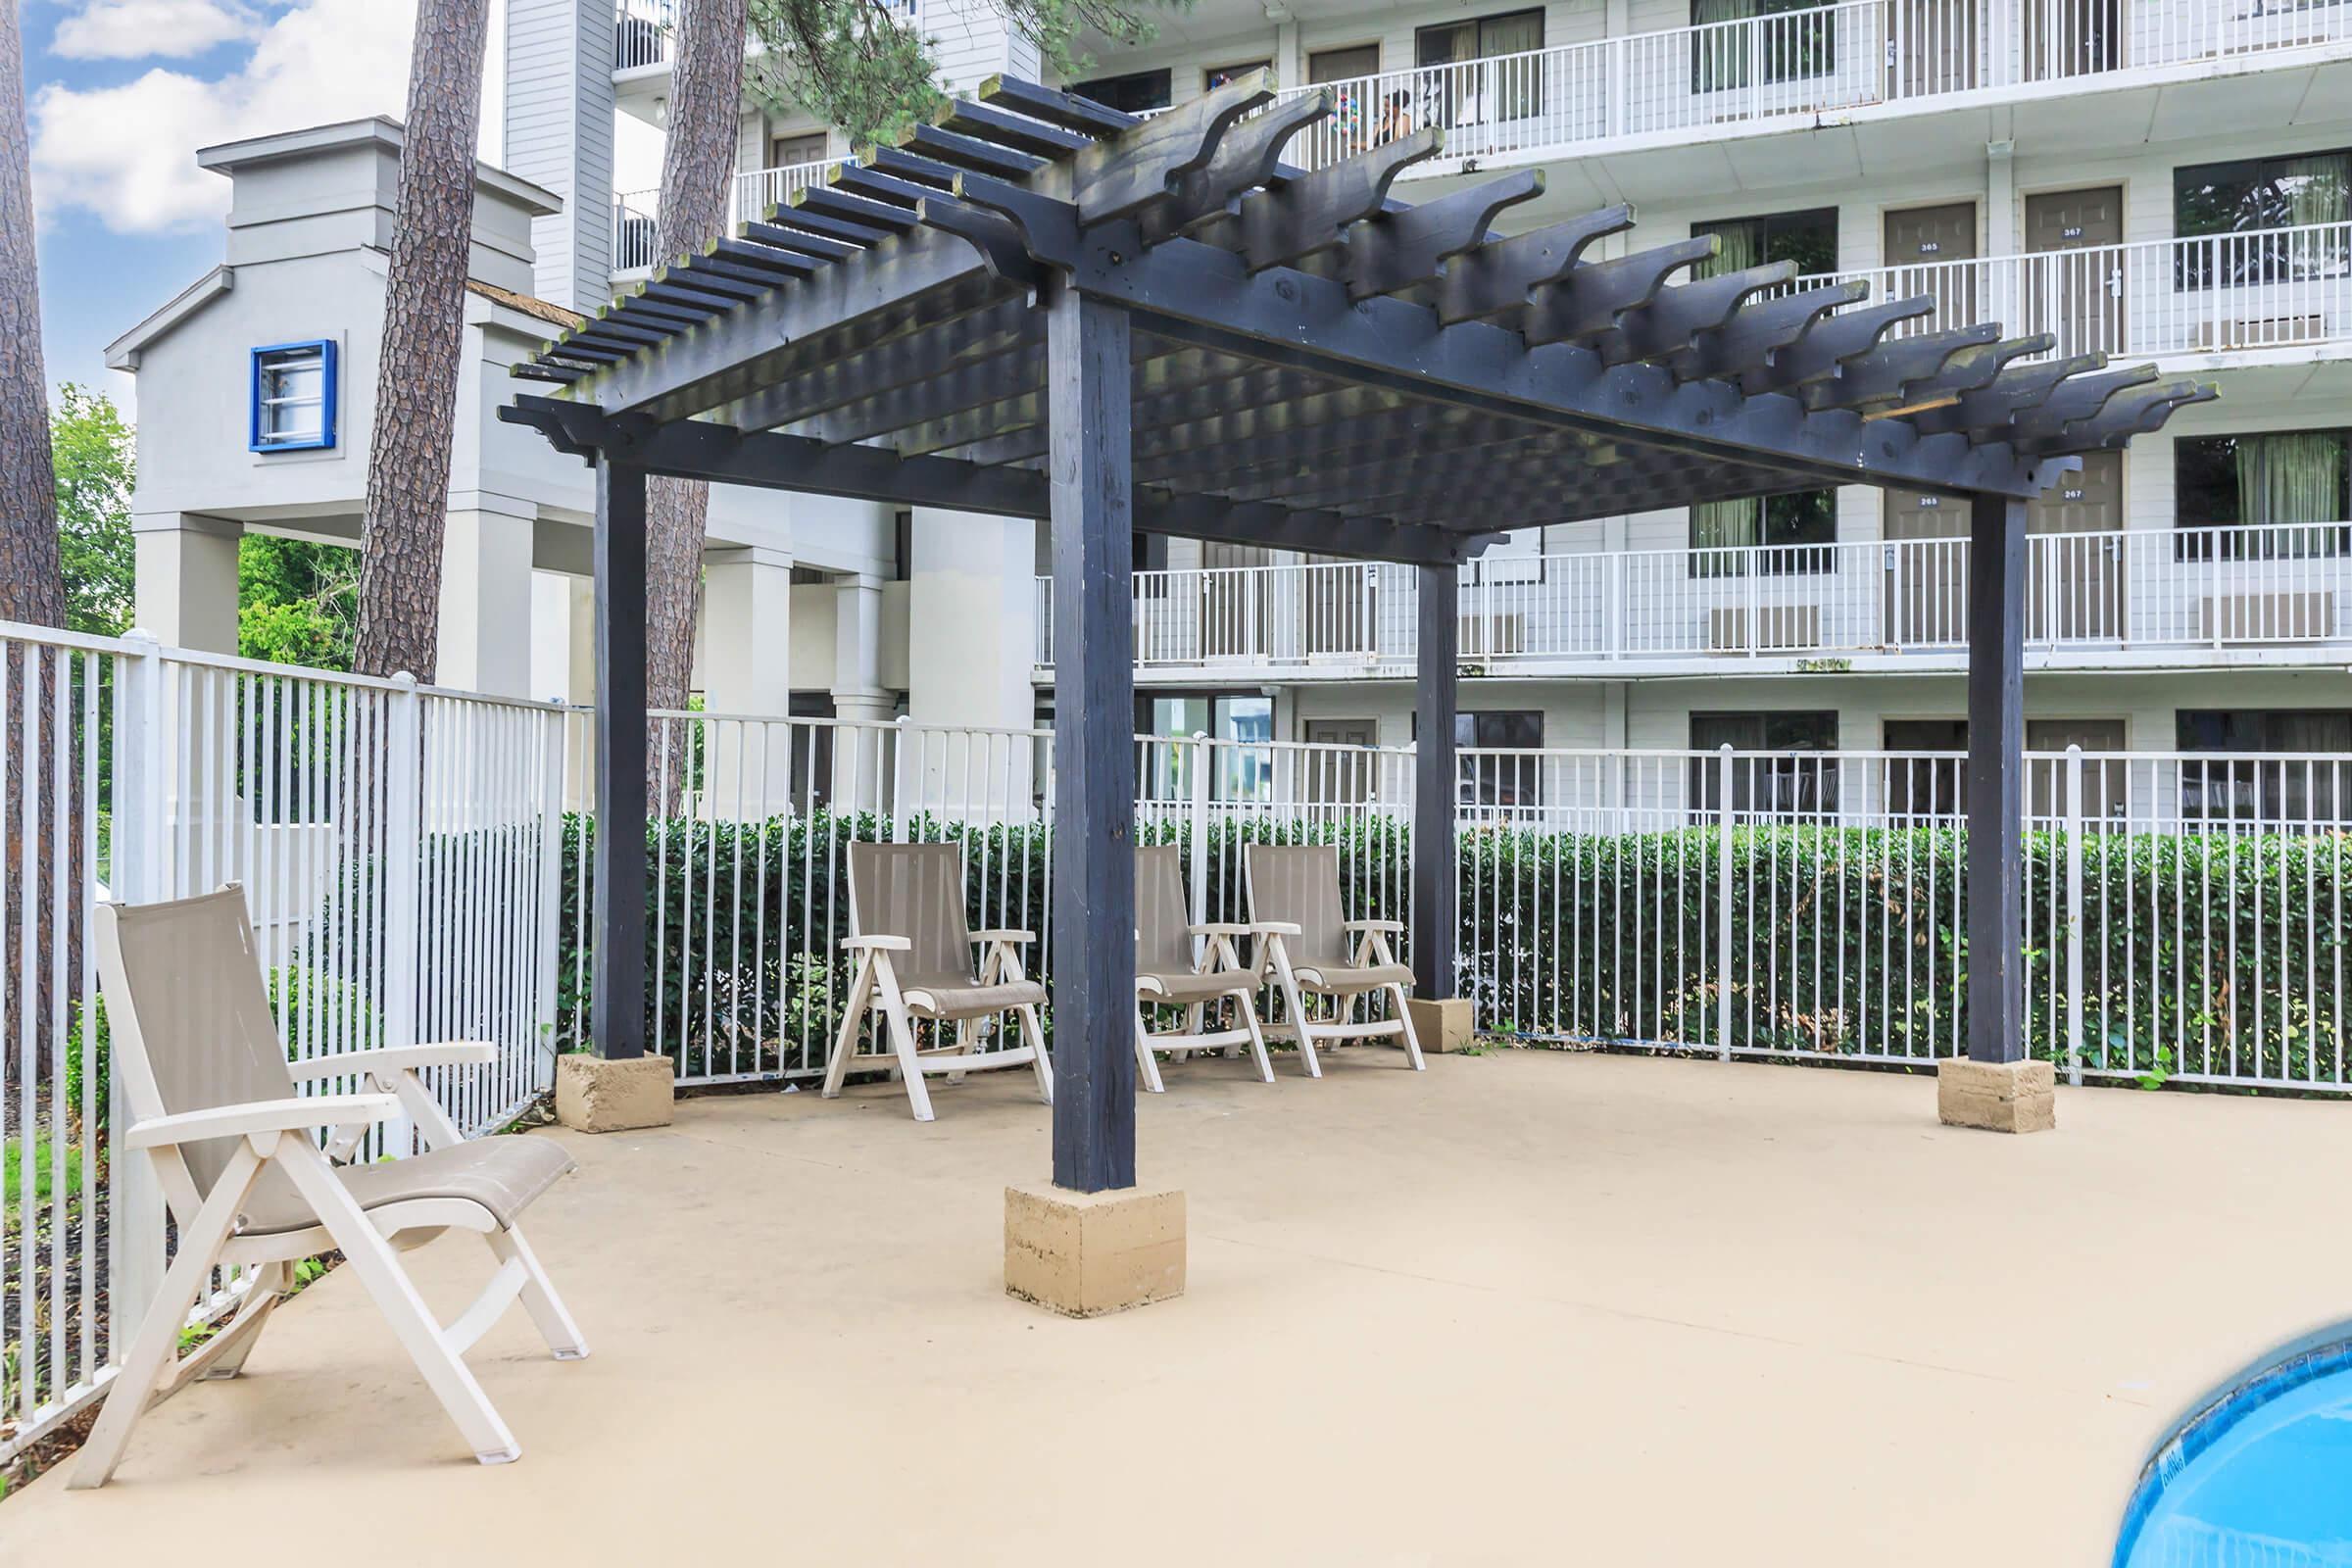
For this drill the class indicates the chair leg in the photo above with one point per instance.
(1033, 1030)
(378, 1268)
(1257, 1039)
(901, 1040)
(845, 1039)
(1296, 1004)
(539, 1297)
(1146, 1068)
(242, 1332)
(157, 1344)
(1412, 1042)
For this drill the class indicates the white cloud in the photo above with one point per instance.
(127, 153)
(141, 29)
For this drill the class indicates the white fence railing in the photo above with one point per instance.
(636, 230)
(416, 864)
(2276, 585)
(1787, 66)
(641, 34)
(2212, 293)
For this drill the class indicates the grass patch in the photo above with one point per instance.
(44, 1172)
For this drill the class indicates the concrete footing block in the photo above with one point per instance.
(1084, 1254)
(1442, 1026)
(2003, 1097)
(597, 1094)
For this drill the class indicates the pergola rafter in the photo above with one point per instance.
(1040, 307)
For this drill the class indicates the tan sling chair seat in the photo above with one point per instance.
(1168, 974)
(914, 962)
(1295, 902)
(216, 1111)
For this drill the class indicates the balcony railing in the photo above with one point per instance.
(2113, 592)
(636, 234)
(641, 31)
(2213, 293)
(1790, 66)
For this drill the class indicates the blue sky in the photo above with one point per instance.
(121, 93)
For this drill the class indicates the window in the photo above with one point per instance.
(902, 546)
(1938, 786)
(293, 397)
(1809, 238)
(1723, 52)
(1788, 784)
(2247, 195)
(1343, 65)
(1500, 781)
(1133, 95)
(1226, 75)
(2297, 787)
(1241, 773)
(1724, 534)
(2277, 476)
(1927, 786)
(1511, 91)
(1151, 557)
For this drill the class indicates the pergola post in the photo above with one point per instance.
(1091, 1243)
(1440, 1021)
(619, 1087)
(1994, 1086)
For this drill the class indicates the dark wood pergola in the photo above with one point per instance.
(1038, 307)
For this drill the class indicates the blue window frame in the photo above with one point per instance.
(293, 401)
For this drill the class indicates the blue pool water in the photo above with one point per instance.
(2261, 1476)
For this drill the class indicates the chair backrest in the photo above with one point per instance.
(1163, 943)
(913, 891)
(188, 1020)
(1299, 884)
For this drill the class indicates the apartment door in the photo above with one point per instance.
(2072, 38)
(1342, 777)
(1237, 604)
(2104, 783)
(1920, 242)
(1932, 46)
(2074, 587)
(1926, 595)
(2073, 280)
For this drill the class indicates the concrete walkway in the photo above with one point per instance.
(1530, 1308)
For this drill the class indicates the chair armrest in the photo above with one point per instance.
(995, 935)
(879, 943)
(394, 1059)
(261, 1116)
(1394, 928)
(1274, 928)
(1220, 928)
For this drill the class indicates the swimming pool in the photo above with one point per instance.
(2259, 1475)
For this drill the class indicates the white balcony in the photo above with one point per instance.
(636, 232)
(2276, 289)
(641, 34)
(1791, 68)
(2146, 598)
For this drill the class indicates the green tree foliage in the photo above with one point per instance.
(95, 461)
(297, 602)
(857, 64)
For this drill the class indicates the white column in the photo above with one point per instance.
(747, 669)
(860, 756)
(484, 642)
(186, 579)
(971, 636)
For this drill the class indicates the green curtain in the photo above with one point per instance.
(1742, 241)
(2315, 188)
(1725, 526)
(1719, 58)
(1518, 82)
(2293, 477)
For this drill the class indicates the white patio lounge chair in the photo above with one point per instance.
(214, 1109)
(914, 961)
(1295, 906)
(1166, 974)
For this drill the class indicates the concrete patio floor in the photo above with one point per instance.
(1528, 1307)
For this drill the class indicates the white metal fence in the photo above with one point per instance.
(417, 863)
(636, 227)
(2272, 585)
(1787, 66)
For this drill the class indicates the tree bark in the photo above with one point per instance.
(32, 583)
(698, 164)
(424, 318)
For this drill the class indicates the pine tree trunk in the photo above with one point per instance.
(416, 374)
(698, 164)
(32, 585)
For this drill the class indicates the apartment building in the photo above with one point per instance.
(2167, 184)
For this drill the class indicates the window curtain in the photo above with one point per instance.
(2294, 477)
(1743, 247)
(2313, 189)
(1719, 58)
(1725, 526)
(1518, 82)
